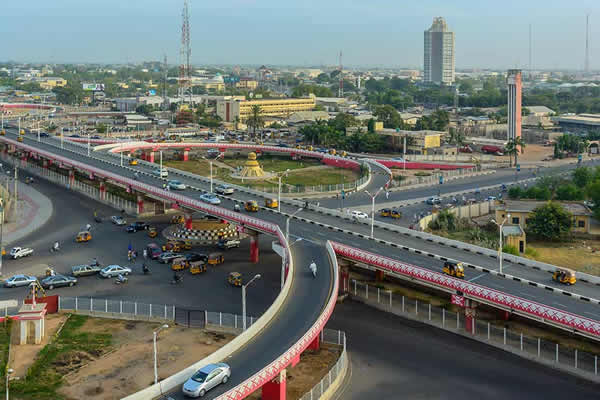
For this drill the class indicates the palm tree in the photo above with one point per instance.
(457, 138)
(255, 120)
(514, 146)
(236, 122)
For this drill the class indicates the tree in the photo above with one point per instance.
(456, 137)
(389, 116)
(256, 120)
(569, 192)
(101, 128)
(145, 109)
(445, 221)
(515, 192)
(549, 222)
(514, 146)
(371, 126)
(582, 177)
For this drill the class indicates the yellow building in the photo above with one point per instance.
(229, 110)
(520, 212)
(418, 142)
(51, 83)
(247, 83)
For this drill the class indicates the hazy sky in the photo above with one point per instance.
(305, 32)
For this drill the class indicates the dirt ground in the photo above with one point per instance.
(22, 356)
(130, 368)
(578, 254)
(536, 152)
(313, 366)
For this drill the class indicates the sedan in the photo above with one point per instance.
(168, 256)
(19, 280)
(137, 226)
(176, 185)
(206, 378)
(114, 270)
(359, 214)
(85, 270)
(58, 280)
(118, 220)
(192, 257)
(210, 198)
(224, 189)
(433, 200)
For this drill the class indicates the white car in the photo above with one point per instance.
(19, 280)
(359, 214)
(118, 220)
(224, 189)
(176, 185)
(210, 198)
(205, 379)
(163, 173)
(114, 270)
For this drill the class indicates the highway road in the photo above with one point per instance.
(396, 358)
(310, 231)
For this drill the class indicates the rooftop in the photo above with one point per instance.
(530, 205)
(512, 230)
(540, 109)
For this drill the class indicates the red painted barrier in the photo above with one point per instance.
(51, 303)
(419, 165)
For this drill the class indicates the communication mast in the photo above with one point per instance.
(185, 76)
(341, 69)
(165, 104)
(587, 44)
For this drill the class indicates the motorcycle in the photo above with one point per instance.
(121, 280)
(313, 269)
(146, 270)
(177, 280)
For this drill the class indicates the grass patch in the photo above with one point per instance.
(4, 346)
(579, 255)
(68, 351)
(272, 163)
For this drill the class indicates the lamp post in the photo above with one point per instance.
(161, 167)
(287, 225)
(373, 207)
(62, 137)
(88, 146)
(257, 276)
(1, 233)
(8, 373)
(211, 176)
(279, 190)
(155, 334)
(500, 254)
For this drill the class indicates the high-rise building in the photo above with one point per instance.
(439, 53)
(513, 80)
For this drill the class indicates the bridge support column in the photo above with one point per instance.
(316, 343)
(140, 204)
(71, 178)
(344, 269)
(102, 191)
(45, 164)
(254, 247)
(150, 157)
(276, 389)
(185, 156)
(470, 313)
(379, 275)
(188, 221)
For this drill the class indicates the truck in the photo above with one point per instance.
(18, 252)
(495, 150)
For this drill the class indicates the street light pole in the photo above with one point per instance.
(62, 136)
(1, 233)
(257, 276)
(8, 373)
(211, 176)
(161, 167)
(155, 334)
(88, 146)
(287, 225)
(15, 193)
(279, 190)
(373, 207)
(500, 253)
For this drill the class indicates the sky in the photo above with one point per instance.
(385, 33)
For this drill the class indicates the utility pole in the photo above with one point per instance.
(15, 194)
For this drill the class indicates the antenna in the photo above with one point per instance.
(530, 55)
(165, 79)
(341, 90)
(185, 78)
(587, 43)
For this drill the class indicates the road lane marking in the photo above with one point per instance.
(477, 277)
(562, 305)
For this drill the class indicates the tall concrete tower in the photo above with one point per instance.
(439, 53)
(587, 44)
(514, 82)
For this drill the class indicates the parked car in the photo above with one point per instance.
(19, 280)
(18, 252)
(433, 200)
(224, 189)
(168, 256)
(154, 250)
(44, 134)
(210, 198)
(113, 270)
(176, 185)
(57, 281)
(359, 214)
(137, 226)
(118, 220)
(191, 257)
(205, 379)
(85, 270)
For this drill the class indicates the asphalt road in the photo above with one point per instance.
(395, 358)
(318, 234)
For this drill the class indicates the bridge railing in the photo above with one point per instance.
(482, 294)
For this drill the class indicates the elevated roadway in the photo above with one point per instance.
(411, 250)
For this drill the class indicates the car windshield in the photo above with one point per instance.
(199, 376)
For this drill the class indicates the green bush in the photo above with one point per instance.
(531, 253)
(510, 250)
(422, 173)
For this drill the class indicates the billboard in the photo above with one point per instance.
(93, 87)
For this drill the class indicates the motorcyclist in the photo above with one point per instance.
(88, 227)
(313, 268)
(56, 246)
(176, 277)
(136, 176)
(95, 262)
(145, 268)
(121, 278)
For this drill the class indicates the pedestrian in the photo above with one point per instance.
(145, 254)
(387, 195)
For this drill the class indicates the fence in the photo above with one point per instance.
(63, 180)
(337, 371)
(228, 320)
(467, 211)
(105, 308)
(349, 186)
(534, 348)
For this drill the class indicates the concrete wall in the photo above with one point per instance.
(466, 211)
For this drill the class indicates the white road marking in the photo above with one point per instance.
(477, 277)
(562, 305)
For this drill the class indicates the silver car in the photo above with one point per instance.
(168, 256)
(118, 220)
(114, 270)
(19, 280)
(224, 189)
(85, 270)
(58, 280)
(176, 185)
(205, 379)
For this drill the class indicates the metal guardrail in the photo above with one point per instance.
(531, 347)
(114, 308)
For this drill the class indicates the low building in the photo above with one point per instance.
(233, 109)
(540, 111)
(247, 83)
(136, 121)
(578, 123)
(514, 235)
(303, 117)
(520, 211)
(49, 83)
(418, 142)
(410, 119)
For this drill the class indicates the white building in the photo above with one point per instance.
(439, 53)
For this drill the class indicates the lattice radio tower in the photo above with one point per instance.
(341, 89)
(185, 70)
(165, 94)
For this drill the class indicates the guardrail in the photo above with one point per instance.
(530, 309)
(571, 359)
(117, 308)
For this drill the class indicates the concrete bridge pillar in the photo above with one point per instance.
(276, 389)
(254, 247)
(150, 157)
(102, 190)
(71, 177)
(470, 312)
(185, 156)
(344, 271)
(188, 221)
(45, 164)
(316, 343)
(140, 204)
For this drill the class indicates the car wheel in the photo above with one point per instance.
(202, 393)
(225, 379)
(51, 287)
(126, 273)
(71, 283)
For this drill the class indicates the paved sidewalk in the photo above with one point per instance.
(34, 210)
